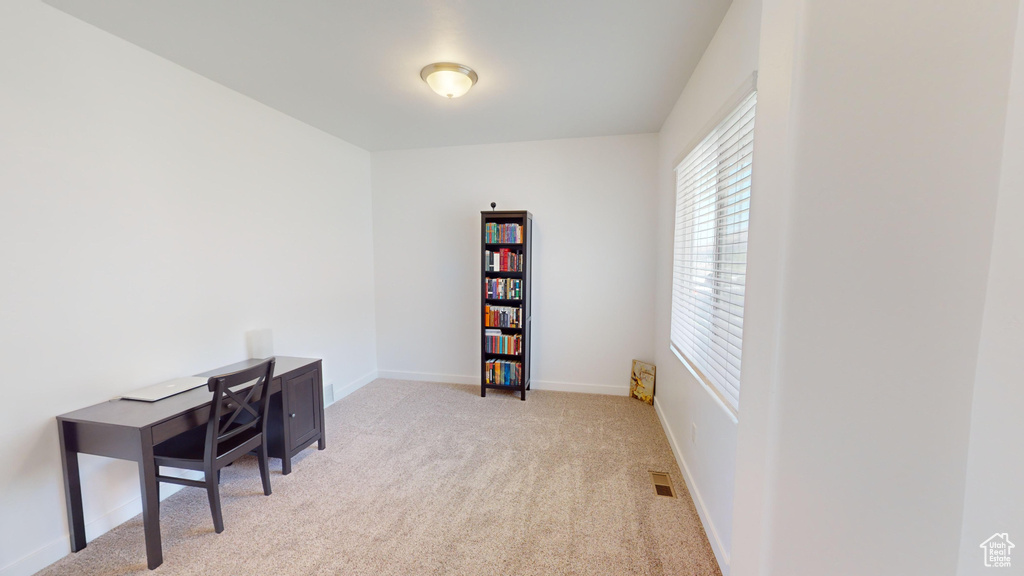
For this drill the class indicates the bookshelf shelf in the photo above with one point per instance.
(504, 357)
(505, 269)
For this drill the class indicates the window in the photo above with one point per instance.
(709, 270)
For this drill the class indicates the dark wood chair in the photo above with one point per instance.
(237, 426)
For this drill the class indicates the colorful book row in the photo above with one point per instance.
(503, 260)
(504, 288)
(504, 372)
(497, 343)
(503, 233)
(503, 316)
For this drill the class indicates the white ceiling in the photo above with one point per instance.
(548, 69)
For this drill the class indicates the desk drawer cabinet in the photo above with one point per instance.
(300, 419)
(303, 416)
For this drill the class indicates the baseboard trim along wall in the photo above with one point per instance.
(534, 385)
(61, 547)
(578, 387)
(429, 377)
(41, 558)
(339, 393)
(705, 517)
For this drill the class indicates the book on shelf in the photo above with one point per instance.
(499, 343)
(504, 372)
(503, 233)
(504, 288)
(503, 260)
(503, 316)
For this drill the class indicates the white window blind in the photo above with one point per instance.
(709, 271)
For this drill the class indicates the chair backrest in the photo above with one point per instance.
(238, 415)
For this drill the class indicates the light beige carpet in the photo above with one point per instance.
(424, 478)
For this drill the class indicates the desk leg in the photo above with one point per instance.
(150, 501)
(72, 484)
(322, 423)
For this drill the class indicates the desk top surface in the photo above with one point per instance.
(136, 414)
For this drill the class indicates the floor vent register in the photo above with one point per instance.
(662, 484)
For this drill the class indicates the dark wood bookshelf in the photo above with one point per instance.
(523, 249)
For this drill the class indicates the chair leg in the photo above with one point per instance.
(261, 457)
(213, 492)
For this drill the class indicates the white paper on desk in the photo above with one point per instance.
(165, 389)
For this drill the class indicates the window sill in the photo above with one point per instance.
(715, 395)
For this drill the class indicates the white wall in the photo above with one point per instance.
(149, 219)
(993, 500)
(770, 205)
(887, 122)
(593, 256)
(709, 463)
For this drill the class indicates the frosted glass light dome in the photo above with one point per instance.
(449, 79)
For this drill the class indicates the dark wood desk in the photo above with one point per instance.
(128, 429)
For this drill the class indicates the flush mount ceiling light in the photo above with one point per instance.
(448, 79)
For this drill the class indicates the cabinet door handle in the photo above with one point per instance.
(292, 415)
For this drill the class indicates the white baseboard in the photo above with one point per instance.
(35, 561)
(705, 517)
(55, 550)
(577, 387)
(429, 377)
(351, 387)
(534, 385)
